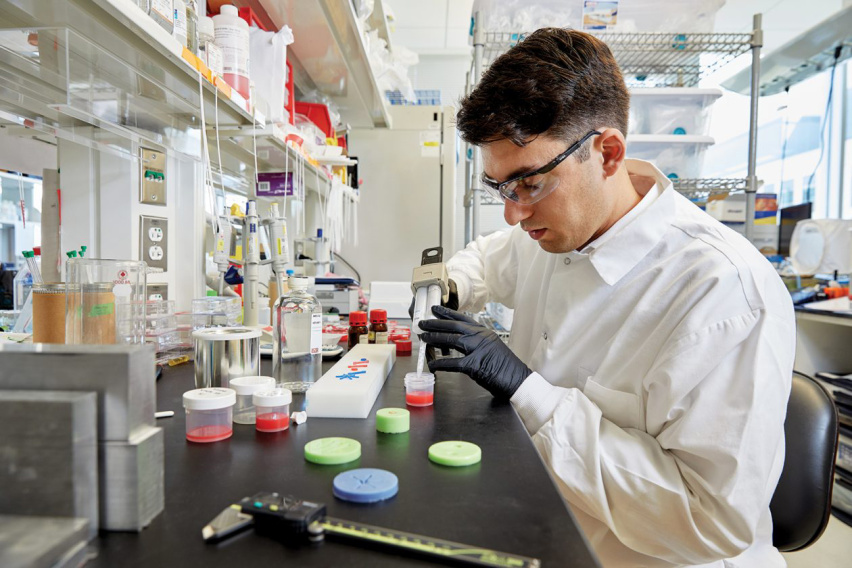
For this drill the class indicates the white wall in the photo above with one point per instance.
(25, 155)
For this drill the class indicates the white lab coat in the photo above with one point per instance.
(662, 357)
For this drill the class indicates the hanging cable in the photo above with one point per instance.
(784, 144)
(837, 52)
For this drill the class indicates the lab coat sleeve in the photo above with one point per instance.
(690, 480)
(486, 271)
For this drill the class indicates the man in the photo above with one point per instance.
(651, 348)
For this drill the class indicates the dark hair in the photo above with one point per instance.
(558, 82)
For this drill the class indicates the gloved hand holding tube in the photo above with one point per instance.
(432, 287)
(487, 360)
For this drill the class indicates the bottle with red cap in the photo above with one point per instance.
(378, 327)
(358, 332)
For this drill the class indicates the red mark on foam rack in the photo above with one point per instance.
(212, 433)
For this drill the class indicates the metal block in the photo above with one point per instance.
(41, 542)
(48, 448)
(132, 489)
(122, 375)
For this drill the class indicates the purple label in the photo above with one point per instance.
(275, 184)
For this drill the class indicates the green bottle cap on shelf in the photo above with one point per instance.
(455, 453)
(332, 451)
(392, 420)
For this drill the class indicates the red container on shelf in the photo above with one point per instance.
(319, 115)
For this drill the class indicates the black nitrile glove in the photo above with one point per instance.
(452, 300)
(487, 360)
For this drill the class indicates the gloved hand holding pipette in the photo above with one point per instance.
(487, 360)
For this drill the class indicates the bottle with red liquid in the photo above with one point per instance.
(419, 389)
(232, 37)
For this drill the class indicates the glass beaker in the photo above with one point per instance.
(105, 301)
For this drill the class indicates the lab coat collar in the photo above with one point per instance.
(631, 238)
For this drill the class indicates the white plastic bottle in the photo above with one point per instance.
(232, 36)
(297, 352)
(180, 21)
(208, 51)
(192, 26)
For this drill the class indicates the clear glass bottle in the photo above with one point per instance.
(297, 354)
(22, 284)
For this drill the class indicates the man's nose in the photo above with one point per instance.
(514, 213)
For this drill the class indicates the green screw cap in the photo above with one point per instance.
(332, 451)
(455, 453)
(392, 420)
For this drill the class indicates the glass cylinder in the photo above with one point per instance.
(105, 301)
(49, 312)
(297, 351)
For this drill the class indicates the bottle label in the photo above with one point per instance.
(213, 57)
(381, 337)
(316, 334)
(234, 42)
(163, 8)
(180, 25)
(365, 339)
(371, 337)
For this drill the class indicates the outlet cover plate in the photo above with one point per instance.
(152, 184)
(153, 241)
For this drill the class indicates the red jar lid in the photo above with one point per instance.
(358, 318)
(403, 346)
(378, 316)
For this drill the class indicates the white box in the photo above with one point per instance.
(349, 389)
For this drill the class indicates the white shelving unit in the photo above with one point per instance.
(99, 79)
(330, 56)
(648, 60)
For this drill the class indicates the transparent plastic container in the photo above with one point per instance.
(676, 156)
(672, 111)
(273, 410)
(419, 391)
(245, 387)
(297, 347)
(209, 414)
(21, 286)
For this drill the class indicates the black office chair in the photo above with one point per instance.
(801, 505)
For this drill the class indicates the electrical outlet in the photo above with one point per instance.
(158, 291)
(152, 164)
(153, 241)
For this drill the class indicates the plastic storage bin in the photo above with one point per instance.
(419, 391)
(209, 414)
(245, 387)
(273, 410)
(678, 111)
(676, 156)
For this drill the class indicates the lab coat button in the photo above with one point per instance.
(567, 261)
(544, 336)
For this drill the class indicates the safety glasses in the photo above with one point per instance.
(532, 187)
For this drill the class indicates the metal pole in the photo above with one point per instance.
(478, 48)
(751, 186)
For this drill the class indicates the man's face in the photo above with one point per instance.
(573, 213)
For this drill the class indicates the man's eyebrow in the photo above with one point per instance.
(518, 171)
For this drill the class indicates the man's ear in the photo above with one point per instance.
(612, 146)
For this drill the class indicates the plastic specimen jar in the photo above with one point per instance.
(209, 414)
(419, 390)
(273, 410)
(245, 387)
